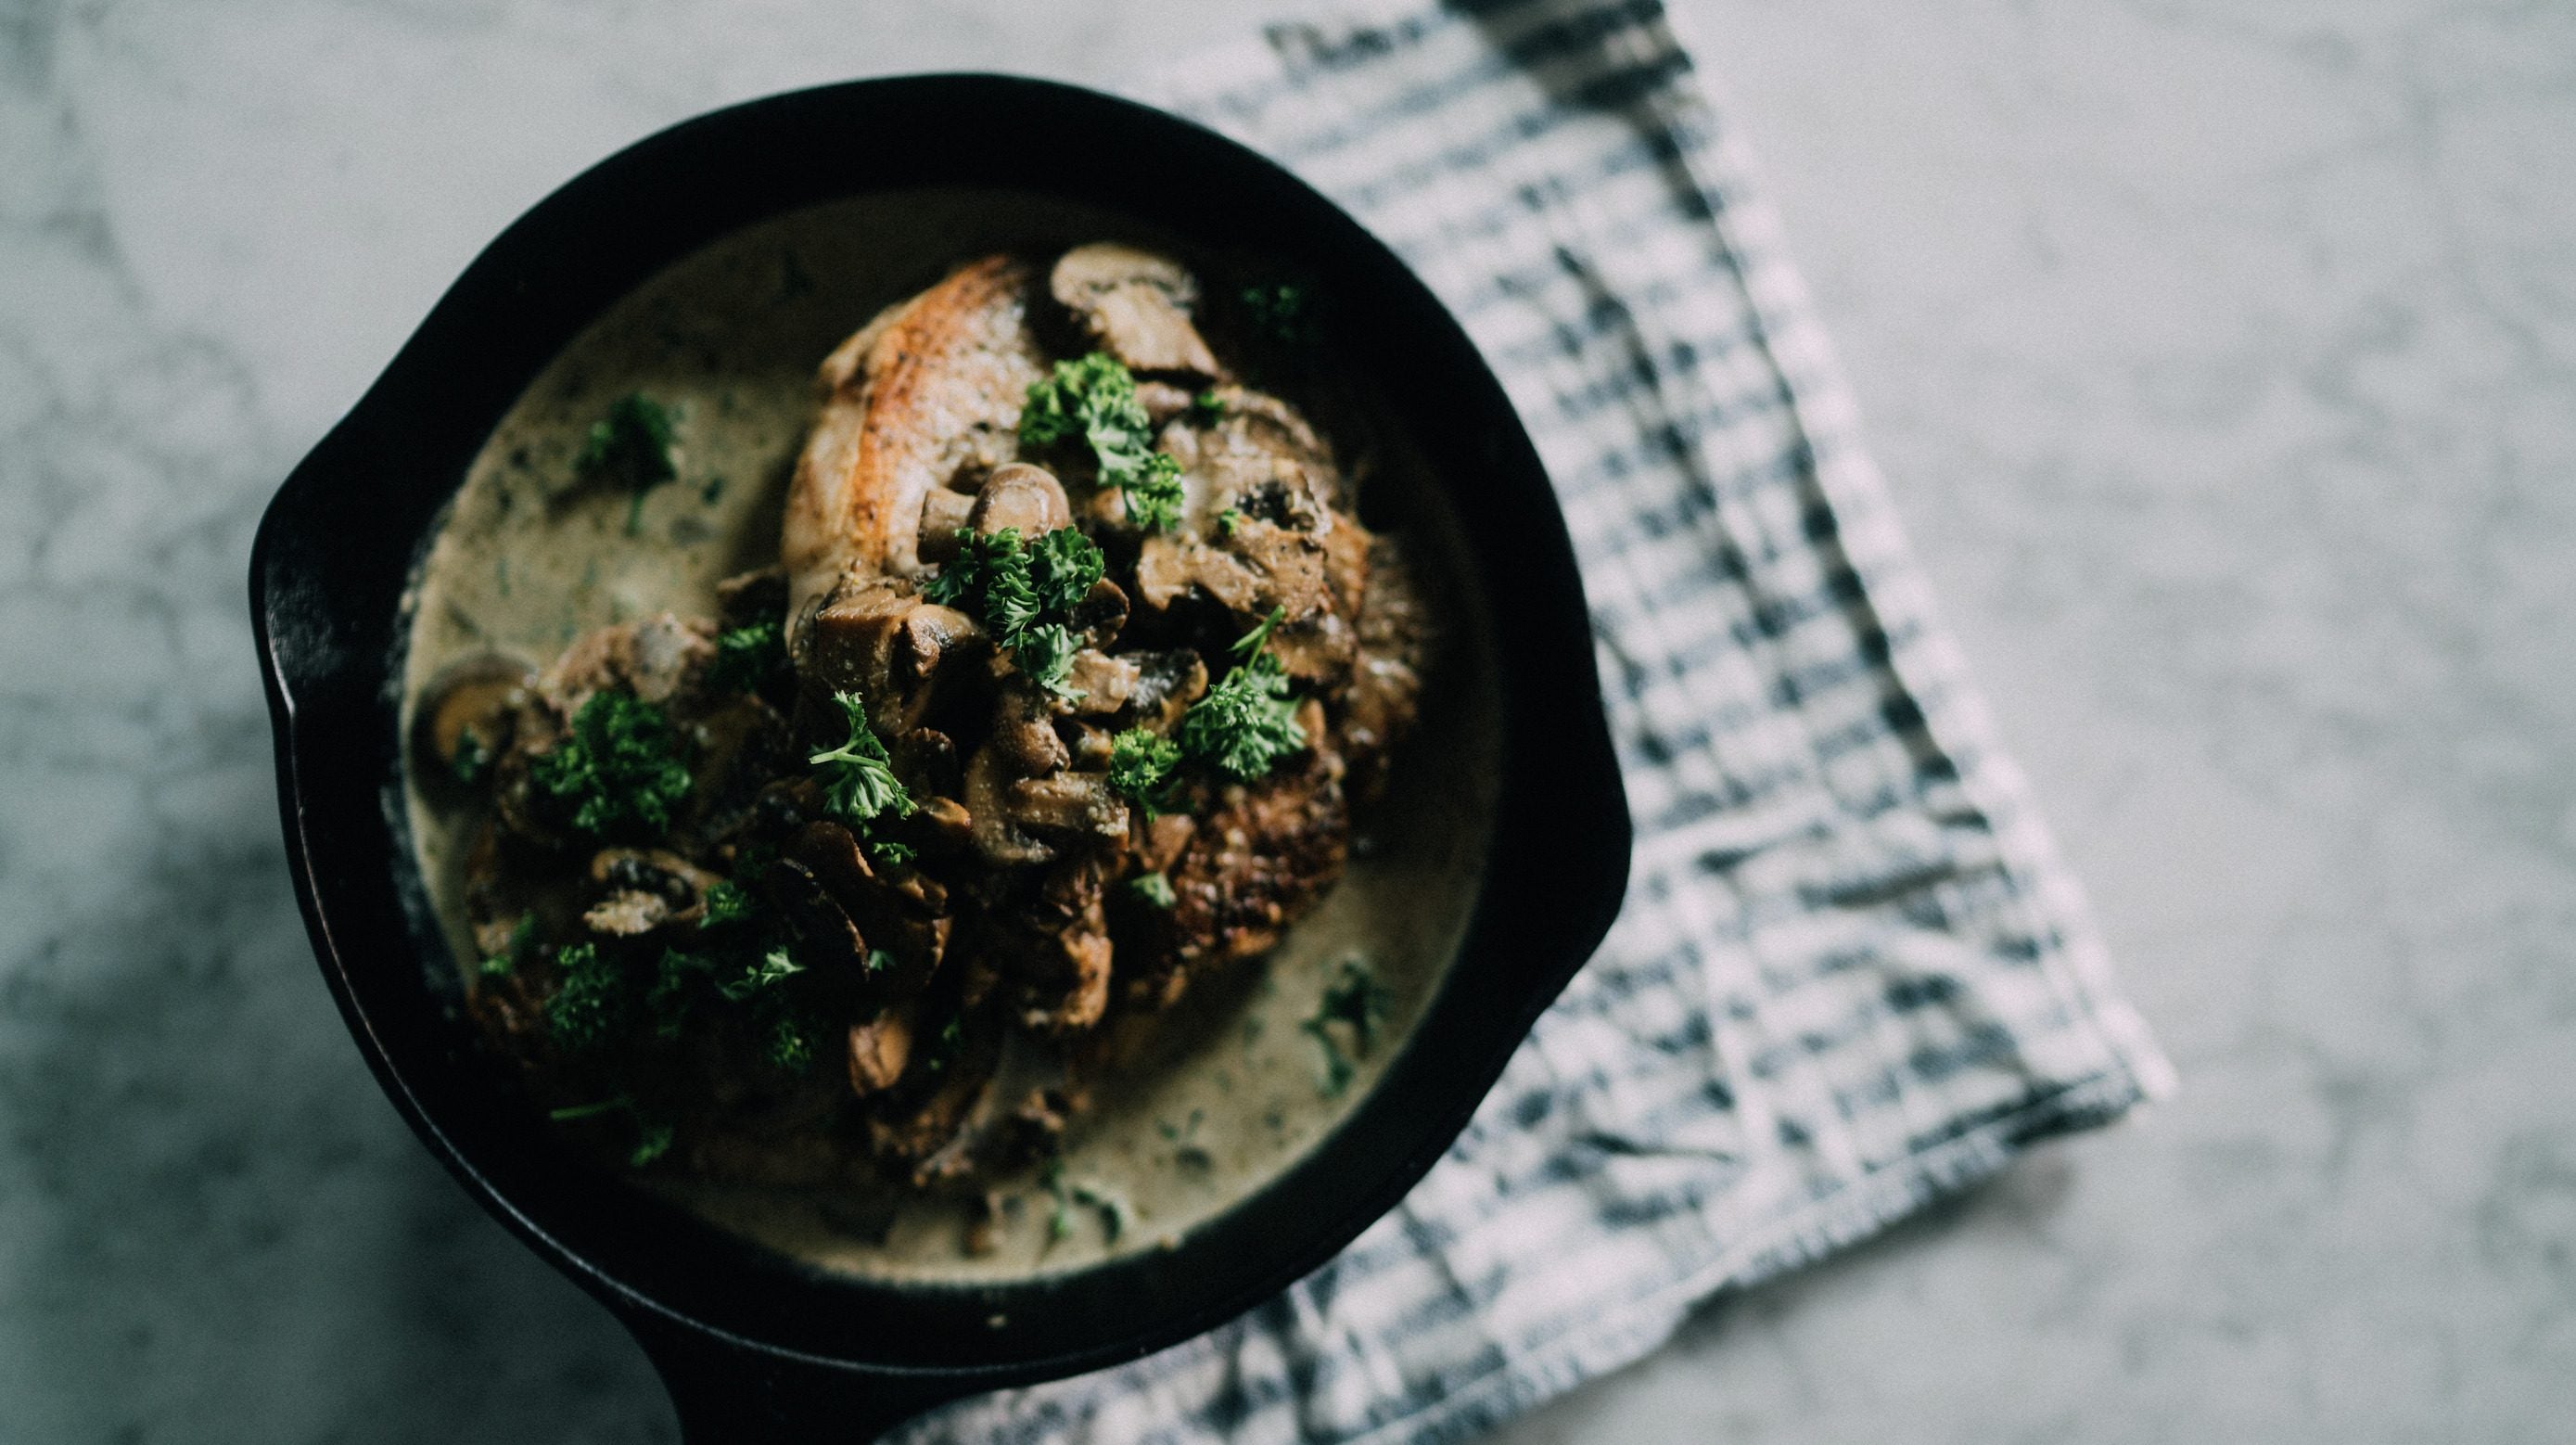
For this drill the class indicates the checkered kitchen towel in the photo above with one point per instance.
(1851, 972)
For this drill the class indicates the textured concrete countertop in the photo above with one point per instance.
(2224, 368)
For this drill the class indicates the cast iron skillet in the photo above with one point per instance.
(755, 1346)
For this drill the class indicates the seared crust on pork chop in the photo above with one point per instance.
(932, 386)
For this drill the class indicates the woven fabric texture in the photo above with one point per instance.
(1851, 971)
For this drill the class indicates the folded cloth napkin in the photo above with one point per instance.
(1851, 971)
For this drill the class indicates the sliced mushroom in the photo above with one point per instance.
(1169, 568)
(1024, 498)
(989, 775)
(1101, 682)
(879, 1049)
(1136, 304)
(627, 914)
(464, 716)
(1067, 803)
(1024, 736)
(944, 513)
(831, 940)
(881, 640)
(1167, 682)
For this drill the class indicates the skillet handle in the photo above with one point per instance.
(728, 1394)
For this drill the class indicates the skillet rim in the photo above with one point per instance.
(325, 565)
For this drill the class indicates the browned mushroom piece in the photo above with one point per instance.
(944, 514)
(1167, 682)
(645, 889)
(1136, 304)
(878, 1050)
(824, 933)
(1068, 805)
(1098, 682)
(882, 641)
(989, 775)
(1023, 498)
(463, 719)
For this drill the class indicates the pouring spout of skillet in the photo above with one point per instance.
(756, 1345)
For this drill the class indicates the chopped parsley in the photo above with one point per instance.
(589, 1003)
(1229, 519)
(1023, 593)
(749, 658)
(1045, 653)
(789, 1046)
(651, 1143)
(1208, 405)
(860, 784)
(631, 447)
(506, 962)
(1094, 398)
(1140, 766)
(1356, 1000)
(726, 903)
(1154, 888)
(1113, 1210)
(1153, 499)
(1259, 637)
(473, 759)
(774, 967)
(1063, 568)
(652, 1138)
(1282, 312)
(1247, 722)
(619, 771)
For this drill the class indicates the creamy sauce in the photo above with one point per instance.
(1233, 1090)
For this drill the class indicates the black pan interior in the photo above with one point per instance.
(338, 543)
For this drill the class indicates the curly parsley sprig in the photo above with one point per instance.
(619, 771)
(1094, 397)
(1023, 593)
(1247, 722)
(859, 784)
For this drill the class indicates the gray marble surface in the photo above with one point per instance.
(2223, 359)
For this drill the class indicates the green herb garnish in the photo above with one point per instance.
(789, 1046)
(631, 448)
(652, 1142)
(473, 759)
(1229, 519)
(727, 902)
(589, 1002)
(860, 783)
(1357, 1001)
(1259, 637)
(1140, 766)
(775, 967)
(1208, 405)
(749, 658)
(1282, 312)
(1246, 723)
(1023, 593)
(1063, 568)
(1153, 498)
(1154, 888)
(620, 770)
(506, 962)
(1094, 398)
